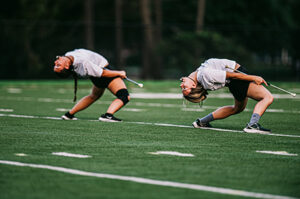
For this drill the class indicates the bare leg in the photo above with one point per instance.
(265, 99)
(227, 111)
(262, 95)
(114, 86)
(87, 100)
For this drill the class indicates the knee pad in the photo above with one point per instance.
(123, 94)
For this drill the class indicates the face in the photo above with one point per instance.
(61, 63)
(186, 85)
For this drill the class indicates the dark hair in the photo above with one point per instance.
(197, 94)
(65, 73)
(75, 86)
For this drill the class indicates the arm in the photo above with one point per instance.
(113, 73)
(251, 78)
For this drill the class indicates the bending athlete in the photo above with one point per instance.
(86, 63)
(214, 74)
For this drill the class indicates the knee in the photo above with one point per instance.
(269, 99)
(237, 110)
(123, 95)
(94, 96)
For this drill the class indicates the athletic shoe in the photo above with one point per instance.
(109, 118)
(198, 124)
(68, 116)
(256, 128)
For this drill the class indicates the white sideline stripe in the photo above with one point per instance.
(278, 153)
(71, 155)
(196, 108)
(150, 181)
(175, 153)
(6, 110)
(156, 124)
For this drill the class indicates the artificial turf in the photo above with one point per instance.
(221, 159)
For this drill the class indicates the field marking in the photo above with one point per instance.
(73, 155)
(6, 110)
(278, 153)
(62, 109)
(14, 90)
(133, 109)
(155, 124)
(144, 104)
(218, 190)
(20, 154)
(193, 109)
(175, 153)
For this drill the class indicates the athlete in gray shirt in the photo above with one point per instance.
(214, 74)
(86, 63)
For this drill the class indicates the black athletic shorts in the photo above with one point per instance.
(239, 88)
(102, 82)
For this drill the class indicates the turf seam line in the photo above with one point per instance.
(141, 180)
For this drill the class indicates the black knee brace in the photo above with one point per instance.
(123, 94)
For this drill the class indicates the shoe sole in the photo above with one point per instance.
(195, 125)
(255, 131)
(107, 120)
(66, 118)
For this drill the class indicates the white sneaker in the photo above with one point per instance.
(109, 118)
(256, 128)
(198, 124)
(67, 116)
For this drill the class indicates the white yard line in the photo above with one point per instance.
(71, 155)
(62, 109)
(6, 110)
(133, 109)
(141, 180)
(14, 90)
(20, 154)
(156, 124)
(278, 153)
(174, 153)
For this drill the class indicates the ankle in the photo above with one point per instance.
(108, 114)
(69, 114)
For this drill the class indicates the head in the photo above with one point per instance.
(186, 85)
(192, 91)
(63, 66)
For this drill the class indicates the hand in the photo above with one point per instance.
(259, 80)
(122, 74)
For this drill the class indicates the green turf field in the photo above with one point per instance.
(225, 161)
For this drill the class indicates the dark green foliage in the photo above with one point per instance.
(255, 32)
(188, 50)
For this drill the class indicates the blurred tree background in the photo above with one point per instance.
(152, 39)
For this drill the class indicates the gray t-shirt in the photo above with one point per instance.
(87, 63)
(212, 73)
